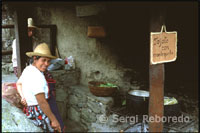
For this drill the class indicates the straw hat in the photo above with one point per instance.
(30, 23)
(41, 50)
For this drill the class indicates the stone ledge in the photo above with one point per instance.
(84, 107)
(66, 78)
(14, 120)
(84, 91)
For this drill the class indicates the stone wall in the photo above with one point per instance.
(85, 108)
(8, 36)
(64, 79)
(76, 103)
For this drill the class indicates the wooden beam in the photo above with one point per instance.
(53, 39)
(6, 52)
(156, 82)
(8, 26)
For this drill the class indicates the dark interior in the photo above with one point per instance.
(129, 38)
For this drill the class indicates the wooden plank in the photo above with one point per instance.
(8, 26)
(6, 52)
(96, 32)
(156, 82)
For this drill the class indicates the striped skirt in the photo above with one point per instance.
(36, 115)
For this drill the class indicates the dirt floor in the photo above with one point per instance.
(72, 126)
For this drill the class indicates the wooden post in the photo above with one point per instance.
(156, 81)
(53, 39)
(21, 34)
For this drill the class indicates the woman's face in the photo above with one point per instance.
(42, 63)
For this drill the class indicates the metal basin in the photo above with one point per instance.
(140, 93)
(137, 102)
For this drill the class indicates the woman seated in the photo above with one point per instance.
(33, 88)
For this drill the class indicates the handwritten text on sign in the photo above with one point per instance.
(163, 47)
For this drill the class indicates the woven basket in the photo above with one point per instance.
(100, 91)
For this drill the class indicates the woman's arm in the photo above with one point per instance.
(19, 89)
(46, 109)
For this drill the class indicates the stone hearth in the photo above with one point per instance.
(80, 108)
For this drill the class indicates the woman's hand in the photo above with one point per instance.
(19, 89)
(55, 125)
(23, 101)
(42, 102)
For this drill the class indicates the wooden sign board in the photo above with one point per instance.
(163, 47)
